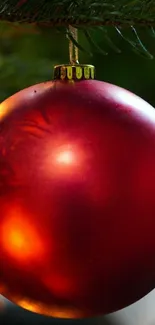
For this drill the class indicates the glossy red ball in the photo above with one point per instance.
(77, 198)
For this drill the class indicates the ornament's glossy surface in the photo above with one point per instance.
(77, 198)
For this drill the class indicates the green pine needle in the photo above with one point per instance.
(79, 12)
(86, 14)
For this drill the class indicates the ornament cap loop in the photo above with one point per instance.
(74, 72)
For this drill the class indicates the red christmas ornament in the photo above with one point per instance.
(77, 186)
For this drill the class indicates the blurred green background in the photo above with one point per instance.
(28, 54)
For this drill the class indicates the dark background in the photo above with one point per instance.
(27, 57)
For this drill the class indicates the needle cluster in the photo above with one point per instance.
(79, 12)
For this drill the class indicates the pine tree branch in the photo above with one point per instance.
(79, 12)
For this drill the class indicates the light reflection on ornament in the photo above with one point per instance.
(19, 238)
(65, 157)
(63, 160)
(54, 310)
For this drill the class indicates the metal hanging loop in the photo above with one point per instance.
(73, 49)
(73, 71)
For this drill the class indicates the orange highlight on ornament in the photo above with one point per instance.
(19, 238)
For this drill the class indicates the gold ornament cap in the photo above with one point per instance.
(74, 72)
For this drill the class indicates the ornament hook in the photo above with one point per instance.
(73, 49)
(74, 71)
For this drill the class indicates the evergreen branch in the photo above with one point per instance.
(79, 12)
